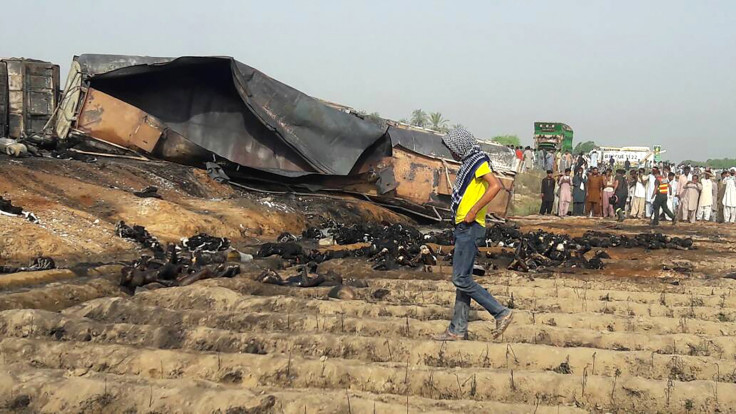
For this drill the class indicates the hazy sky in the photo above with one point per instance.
(619, 72)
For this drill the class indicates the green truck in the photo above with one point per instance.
(552, 135)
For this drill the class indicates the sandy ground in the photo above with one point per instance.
(631, 338)
(80, 203)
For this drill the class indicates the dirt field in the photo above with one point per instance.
(633, 337)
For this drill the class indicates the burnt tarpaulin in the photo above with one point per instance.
(422, 142)
(430, 143)
(236, 112)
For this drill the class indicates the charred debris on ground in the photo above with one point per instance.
(385, 246)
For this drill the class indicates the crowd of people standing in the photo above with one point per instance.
(663, 191)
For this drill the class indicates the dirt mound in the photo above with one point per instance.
(79, 203)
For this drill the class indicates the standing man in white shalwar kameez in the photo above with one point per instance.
(705, 206)
(682, 181)
(729, 198)
(650, 192)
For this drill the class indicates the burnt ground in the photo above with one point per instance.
(635, 336)
(79, 204)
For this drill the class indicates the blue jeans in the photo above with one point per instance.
(467, 239)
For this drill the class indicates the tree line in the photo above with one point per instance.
(718, 163)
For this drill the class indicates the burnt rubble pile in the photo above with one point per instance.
(368, 233)
(651, 241)
(391, 245)
(178, 267)
(540, 249)
(537, 250)
(196, 258)
(394, 246)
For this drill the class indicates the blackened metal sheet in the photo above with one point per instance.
(427, 143)
(430, 143)
(237, 112)
(93, 65)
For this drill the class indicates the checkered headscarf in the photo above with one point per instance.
(459, 141)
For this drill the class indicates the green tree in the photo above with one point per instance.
(718, 163)
(374, 116)
(419, 118)
(585, 147)
(507, 140)
(437, 122)
(456, 126)
(404, 121)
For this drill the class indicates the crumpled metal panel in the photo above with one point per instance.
(117, 122)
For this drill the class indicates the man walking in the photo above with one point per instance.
(621, 191)
(595, 188)
(547, 194)
(475, 187)
(661, 190)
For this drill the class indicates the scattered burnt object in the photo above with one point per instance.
(195, 258)
(38, 263)
(7, 208)
(393, 246)
(140, 235)
(176, 267)
(148, 192)
(652, 241)
(205, 243)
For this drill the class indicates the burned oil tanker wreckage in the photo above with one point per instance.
(249, 129)
(254, 132)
